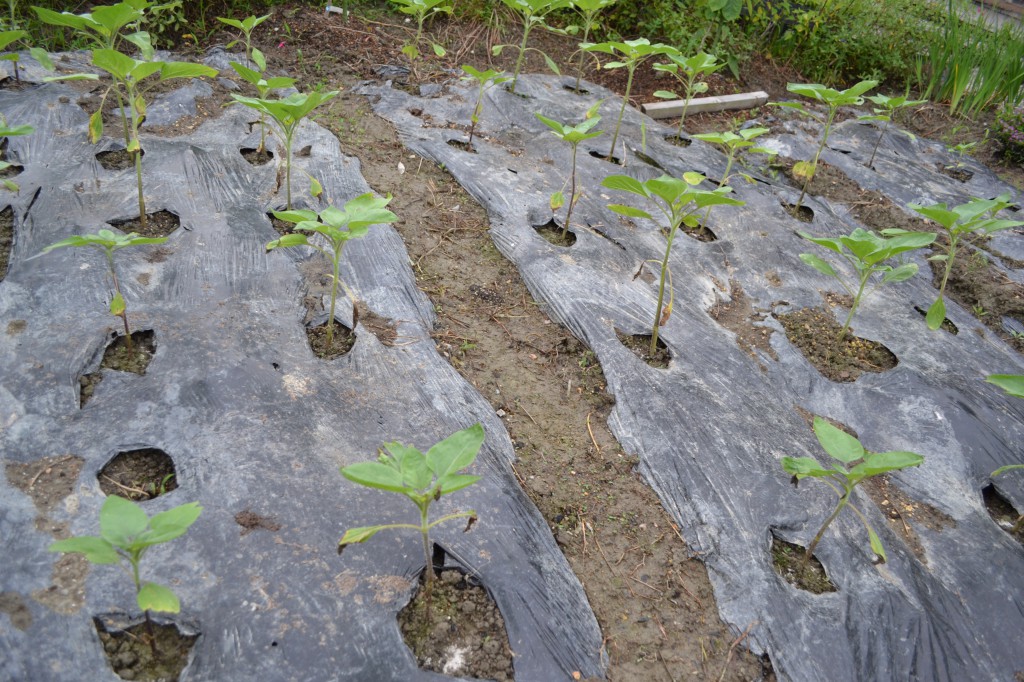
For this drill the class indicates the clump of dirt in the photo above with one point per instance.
(464, 633)
(552, 232)
(788, 561)
(6, 239)
(739, 317)
(158, 224)
(119, 358)
(814, 332)
(138, 474)
(640, 344)
(250, 521)
(257, 158)
(1003, 513)
(900, 509)
(130, 652)
(117, 159)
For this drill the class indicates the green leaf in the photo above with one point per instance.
(1008, 467)
(121, 521)
(457, 482)
(802, 467)
(354, 535)
(936, 314)
(375, 475)
(551, 65)
(438, 50)
(666, 94)
(172, 523)
(629, 211)
(557, 201)
(185, 70)
(1013, 384)
(117, 305)
(818, 264)
(259, 59)
(456, 452)
(96, 550)
(625, 183)
(876, 544)
(96, 126)
(41, 56)
(412, 464)
(153, 597)
(901, 273)
(838, 444)
(881, 462)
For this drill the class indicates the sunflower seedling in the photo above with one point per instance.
(126, 533)
(734, 143)
(678, 201)
(587, 11)
(423, 479)
(532, 14)
(1013, 384)
(833, 100)
(337, 227)
(484, 80)
(421, 10)
(247, 26)
(108, 242)
(287, 113)
(631, 54)
(866, 252)
(976, 216)
(573, 135)
(263, 87)
(885, 109)
(7, 38)
(844, 478)
(689, 71)
(11, 131)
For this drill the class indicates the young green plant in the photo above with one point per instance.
(247, 26)
(833, 100)
(689, 71)
(337, 227)
(423, 479)
(287, 113)
(844, 478)
(532, 14)
(884, 110)
(734, 143)
(573, 135)
(484, 80)
(631, 54)
(976, 216)
(108, 242)
(11, 131)
(1013, 384)
(679, 200)
(263, 87)
(867, 253)
(126, 534)
(8, 38)
(421, 10)
(587, 11)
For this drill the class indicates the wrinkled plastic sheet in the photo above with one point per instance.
(710, 430)
(250, 417)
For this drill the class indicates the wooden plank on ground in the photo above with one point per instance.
(674, 108)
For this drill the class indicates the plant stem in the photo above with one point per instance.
(814, 164)
(522, 53)
(476, 115)
(429, 575)
(622, 110)
(583, 54)
(149, 623)
(853, 309)
(817, 538)
(949, 262)
(661, 290)
(288, 165)
(877, 142)
(572, 196)
(117, 288)
(334, 297)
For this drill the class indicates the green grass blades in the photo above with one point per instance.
(867, 253)
(975, 216)
(338, 227)
(854, 464)
(423, 479)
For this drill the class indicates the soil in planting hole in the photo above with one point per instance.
(739, 317)
(117, 159)
(679, 141)
(464, 635)
(787, 559)
(158, 224)
(1002, 512)
(958, 173)
(814, 332)
(138, 474)
(130, 651)
(282, 227)
(700, 233)
(117, 357)
(463, 145)
(804, 215)
(552, 232)
(6, 239)
(640, 344)
(341, 344)
(605, 157)
(256, 157)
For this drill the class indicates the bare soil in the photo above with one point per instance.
(788, 560)
(138, 474)
(6, 239)
(117, 357)
(814, 332)
(1002, 512)
(130, 651)
(158, 224)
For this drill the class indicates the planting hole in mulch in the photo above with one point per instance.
(10, 171)
(640, 344)
(117, 159)
(679, 141)
(649, 160)
(138, 474)
(158, 224)
(117, 357)
(804, 215)
(256, 157)
(6, 239)
(604, 157)
(959, 174)
(343, 341)
(787, 559)
(463, 145)
(903, 513)
(701, 233)
(1002, 512)
(814, 332)
(282, 227)
(552, 232)
(571, 87)
(464, 635)
(738, 316)
(129, 650)
(947, 324)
